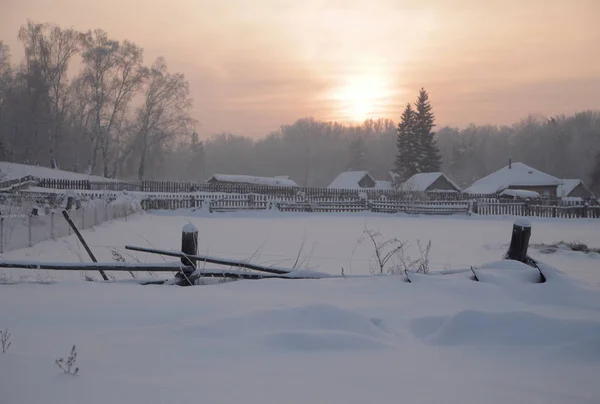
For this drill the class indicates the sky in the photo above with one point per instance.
(254, 65)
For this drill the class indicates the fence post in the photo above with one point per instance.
(52, 225)
(189, 245)
(519, 241)
(29, 231)
(1, 235)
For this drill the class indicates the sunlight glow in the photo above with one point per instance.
(362, 96)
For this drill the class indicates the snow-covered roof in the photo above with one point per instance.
(518, 175)
(520, 193)
(422, 181)
(11, 171)
(250, 179)
(349, 180)
(567, 187)
(383, 184)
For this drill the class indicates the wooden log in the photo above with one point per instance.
(212, 260)
(96, 266)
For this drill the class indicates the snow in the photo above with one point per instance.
(279, 181)
(519, 175)
(383, 185)
(9, 171)
(349, 180)
(568, 185)
(421, 181)
(520, 193)
(441, 339)
(522, 222)
(189, 228)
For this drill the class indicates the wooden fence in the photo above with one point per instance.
(273, 191)
(161, 195)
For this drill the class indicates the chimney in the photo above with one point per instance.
(509, 163)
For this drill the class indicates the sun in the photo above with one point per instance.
(361, 97)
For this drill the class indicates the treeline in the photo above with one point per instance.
(91, 104)
(113, 116)
(314, 152)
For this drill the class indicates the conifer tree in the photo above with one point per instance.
(407, 159)
(595, 177)
(428, 153)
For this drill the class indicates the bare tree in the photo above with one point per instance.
(165, 113)
(114, 73)
(5, 82)
(48, 51)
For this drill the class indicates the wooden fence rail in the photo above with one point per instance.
(223, 197)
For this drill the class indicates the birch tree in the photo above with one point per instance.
(114, 73)
(165, 113)
(48, 51)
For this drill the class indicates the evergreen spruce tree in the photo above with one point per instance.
(595, 177)
(407, 159)
(358, 155)
(428, 153)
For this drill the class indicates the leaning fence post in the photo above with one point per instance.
(519, 240)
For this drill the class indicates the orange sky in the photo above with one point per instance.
(256, 64)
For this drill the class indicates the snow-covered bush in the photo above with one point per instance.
(128, 201)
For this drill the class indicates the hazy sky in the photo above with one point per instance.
(256, 64)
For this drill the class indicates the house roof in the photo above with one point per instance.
(383, 184)
(518, 175)
(349, 180)
(11, 171)
(250, 179)
(422, 181)
(567, 187)
(520, 193)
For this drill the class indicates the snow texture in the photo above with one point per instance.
(520, 193)
(522, 222)
(518, 175)
(567, 187)
(422, 181)
(279, 181)
(189, 228)
(10, 171)
(441, 339)
(383, 185)
(349, 180)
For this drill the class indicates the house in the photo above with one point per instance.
(517, 176)
(427, 182)
(574, 188)
(252, 180)
(353, 180)
(384, 185)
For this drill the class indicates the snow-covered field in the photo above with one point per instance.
(439, 339)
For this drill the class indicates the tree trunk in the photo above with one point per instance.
(142, 167)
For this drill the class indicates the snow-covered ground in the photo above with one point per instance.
(439, 339)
